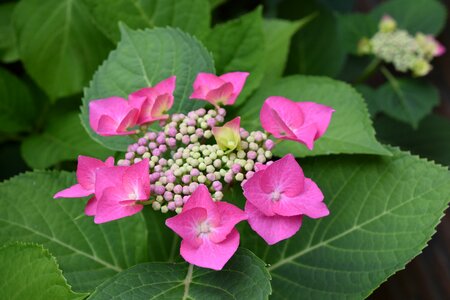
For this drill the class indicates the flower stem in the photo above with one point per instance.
(369, 70)
(187, 282)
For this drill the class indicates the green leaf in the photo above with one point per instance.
(29, 271)
(17, 108)
(87, 253)
(64, 138)
(8, 47)
(356, 26)
(370, 95)
(192, 16)
(278, 34)
(143, 58)
(350, 130)
(383, 210)
(431, 139)
(238, 45)
(243, 277)
(427, 16)
(407, 100)
(216, 3)
(58, 44)
(317, 49)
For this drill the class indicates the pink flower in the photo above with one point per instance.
(154, 102)
(438, 48)
(87, 166)
(219, 90)
(207, 230)
(112, 116)
(118, 191)
(277, 198)
(228, 136)
(302, 122)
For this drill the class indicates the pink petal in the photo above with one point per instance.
(316, 114)
(256, 195)
(280, 116)
(186, 225)
(108, 177)
(204, 83)
(86, 170)
(162, 104)
(202, 198)
(220, 95)
(91, 207)
(166, 86)
(109, 207)
(136, 180)
(230, 215)
(309, 203)
(237, 79)
(75, 191)
(272, 229)
(209, 254)
(284, 175)
(130, 120)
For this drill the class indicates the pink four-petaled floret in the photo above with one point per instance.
(219, 90)
(278, 196)
(207, 230)
(302, 122)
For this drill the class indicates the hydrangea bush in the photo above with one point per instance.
(217, 161)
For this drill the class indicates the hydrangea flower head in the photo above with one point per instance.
(207, 230)
(219, 90)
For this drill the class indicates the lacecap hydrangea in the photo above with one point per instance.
(184, 167)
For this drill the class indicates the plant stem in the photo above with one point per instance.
(187, 282)
(369, 70)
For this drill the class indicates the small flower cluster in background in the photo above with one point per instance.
(188, 163)
(398, 47)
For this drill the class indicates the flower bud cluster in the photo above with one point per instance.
(405, 51)
(184, 154)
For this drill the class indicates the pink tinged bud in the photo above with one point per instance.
(187, 190)
(161, 139)
(220, 119)
(129, 155)
(211, 176)
(124, 162)
(112, 116)
(209, 238)
(177, 155)
(171, 205)
(199, 132)
(211, 122)
(152, 145)
(269, 144)
(185, 199)
(222, 112)
(142, 141)
(228, 177)
(151, 135)
(162, 162)
(185, 139)
(249, 174)
(168, 196)
(236, 168)
(217, 186)
(303, 122)
(244, 133)
(277, 197)
(195, 172)
(172, 131)
(186, 179)
(191, 122)
(439, 49)
(158, 168)
(154, 102)
(159, 189)
(171, 178)
(178, 201)
(119, 189)
(156, 152)
(133, 147)
(192, 187)
(178, 189)
(171, 142)
(201, 112)
(86, 170)
(162, 148)
(251, 154)
(219, 90)
(141, 150)
(154, 177)
(227, 136)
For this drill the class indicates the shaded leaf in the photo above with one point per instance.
(64, 138)
(144, 58)
(87, 253)
(192, 16)
(58, 44)
(29, 271)
(243, 277)
(8, 46)
(354, 27)
(350, 130)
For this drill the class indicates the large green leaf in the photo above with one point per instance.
(317, 49)
(29, 271)
(192, 16)
(350, 130)
(17, 108)
(278, 34)
(407, 100)
(64, 138)
(143, 58)
(356, 26)
(427, 16)
(8, 47)
(87, 253)
(238, 45)
(383, 210)
(431, 139)
(58, 44)
(243, 277)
